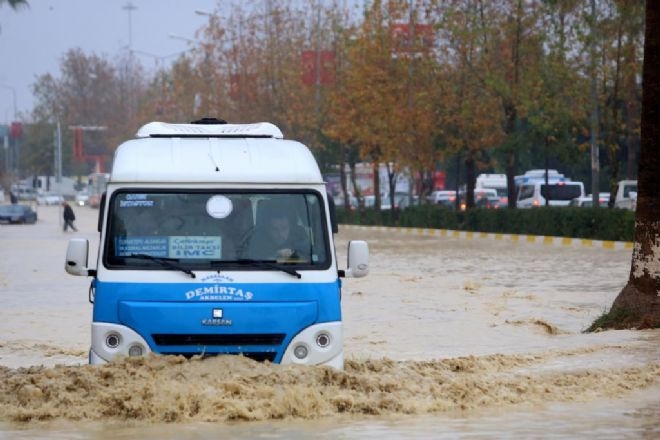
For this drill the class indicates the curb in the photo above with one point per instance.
(516, 238)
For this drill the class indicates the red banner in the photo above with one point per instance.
(325, 59)
(16, 130)
(78, 149)
(439, 180)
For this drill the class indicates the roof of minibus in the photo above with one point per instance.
(232, 153)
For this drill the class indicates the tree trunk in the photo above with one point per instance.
(630, 112)
(511, 190)
(638, 304)
(343, 178)
(356, 189)
(470, 180)
(376, 177)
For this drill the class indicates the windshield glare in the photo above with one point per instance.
(215, 230)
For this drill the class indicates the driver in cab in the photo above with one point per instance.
(278, 237)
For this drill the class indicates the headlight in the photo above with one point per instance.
(317, 344)
(323, 339)
(112, 340)
(135, 350)
(300, 352)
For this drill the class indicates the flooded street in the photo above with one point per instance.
(445, 338)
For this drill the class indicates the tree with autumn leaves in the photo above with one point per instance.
(371, 106)
(412, 85)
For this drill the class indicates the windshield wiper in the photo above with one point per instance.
(269, 264)
(165, 262)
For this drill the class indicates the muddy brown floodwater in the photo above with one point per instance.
(446, 338)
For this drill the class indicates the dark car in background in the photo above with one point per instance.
(489, 202)
(17, 214)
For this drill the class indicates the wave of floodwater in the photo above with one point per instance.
(229, 388)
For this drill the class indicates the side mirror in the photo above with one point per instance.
(76, 257)
(358, 259)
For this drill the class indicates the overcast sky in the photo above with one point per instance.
(34, 39)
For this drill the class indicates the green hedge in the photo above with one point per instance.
(591, 223)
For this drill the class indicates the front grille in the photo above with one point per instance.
(254, 355)
(219, 340)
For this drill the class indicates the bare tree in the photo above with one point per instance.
(638, 304)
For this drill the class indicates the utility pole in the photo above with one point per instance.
(7, 146)
(130, 7)
(58, 153)
(13, 95)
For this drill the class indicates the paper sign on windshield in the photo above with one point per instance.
(182, 247)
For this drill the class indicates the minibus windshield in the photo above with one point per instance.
(216, 230)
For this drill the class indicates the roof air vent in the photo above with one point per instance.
(209, 121)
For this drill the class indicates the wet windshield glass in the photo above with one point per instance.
(217, 230)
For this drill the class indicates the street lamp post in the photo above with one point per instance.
(131, 102)
(8, 148)
(189, 40)
(158, 59)
(130, 7)
(13, 93)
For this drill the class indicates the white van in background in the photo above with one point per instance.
(24, 192)
(539, 175)
(626, 195)
(493, 181)
(535, 194)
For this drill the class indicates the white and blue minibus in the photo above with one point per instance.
(182, 267)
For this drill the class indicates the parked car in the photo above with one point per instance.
(581, 202)
(603, 199)
(17, 214)
(443, 197)
(49, 199)
(339, 202)
(403, 200)
(479, 195)
(24, 192)
(82, 198)
(370, 201)
(587, 201)
(489, 202)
